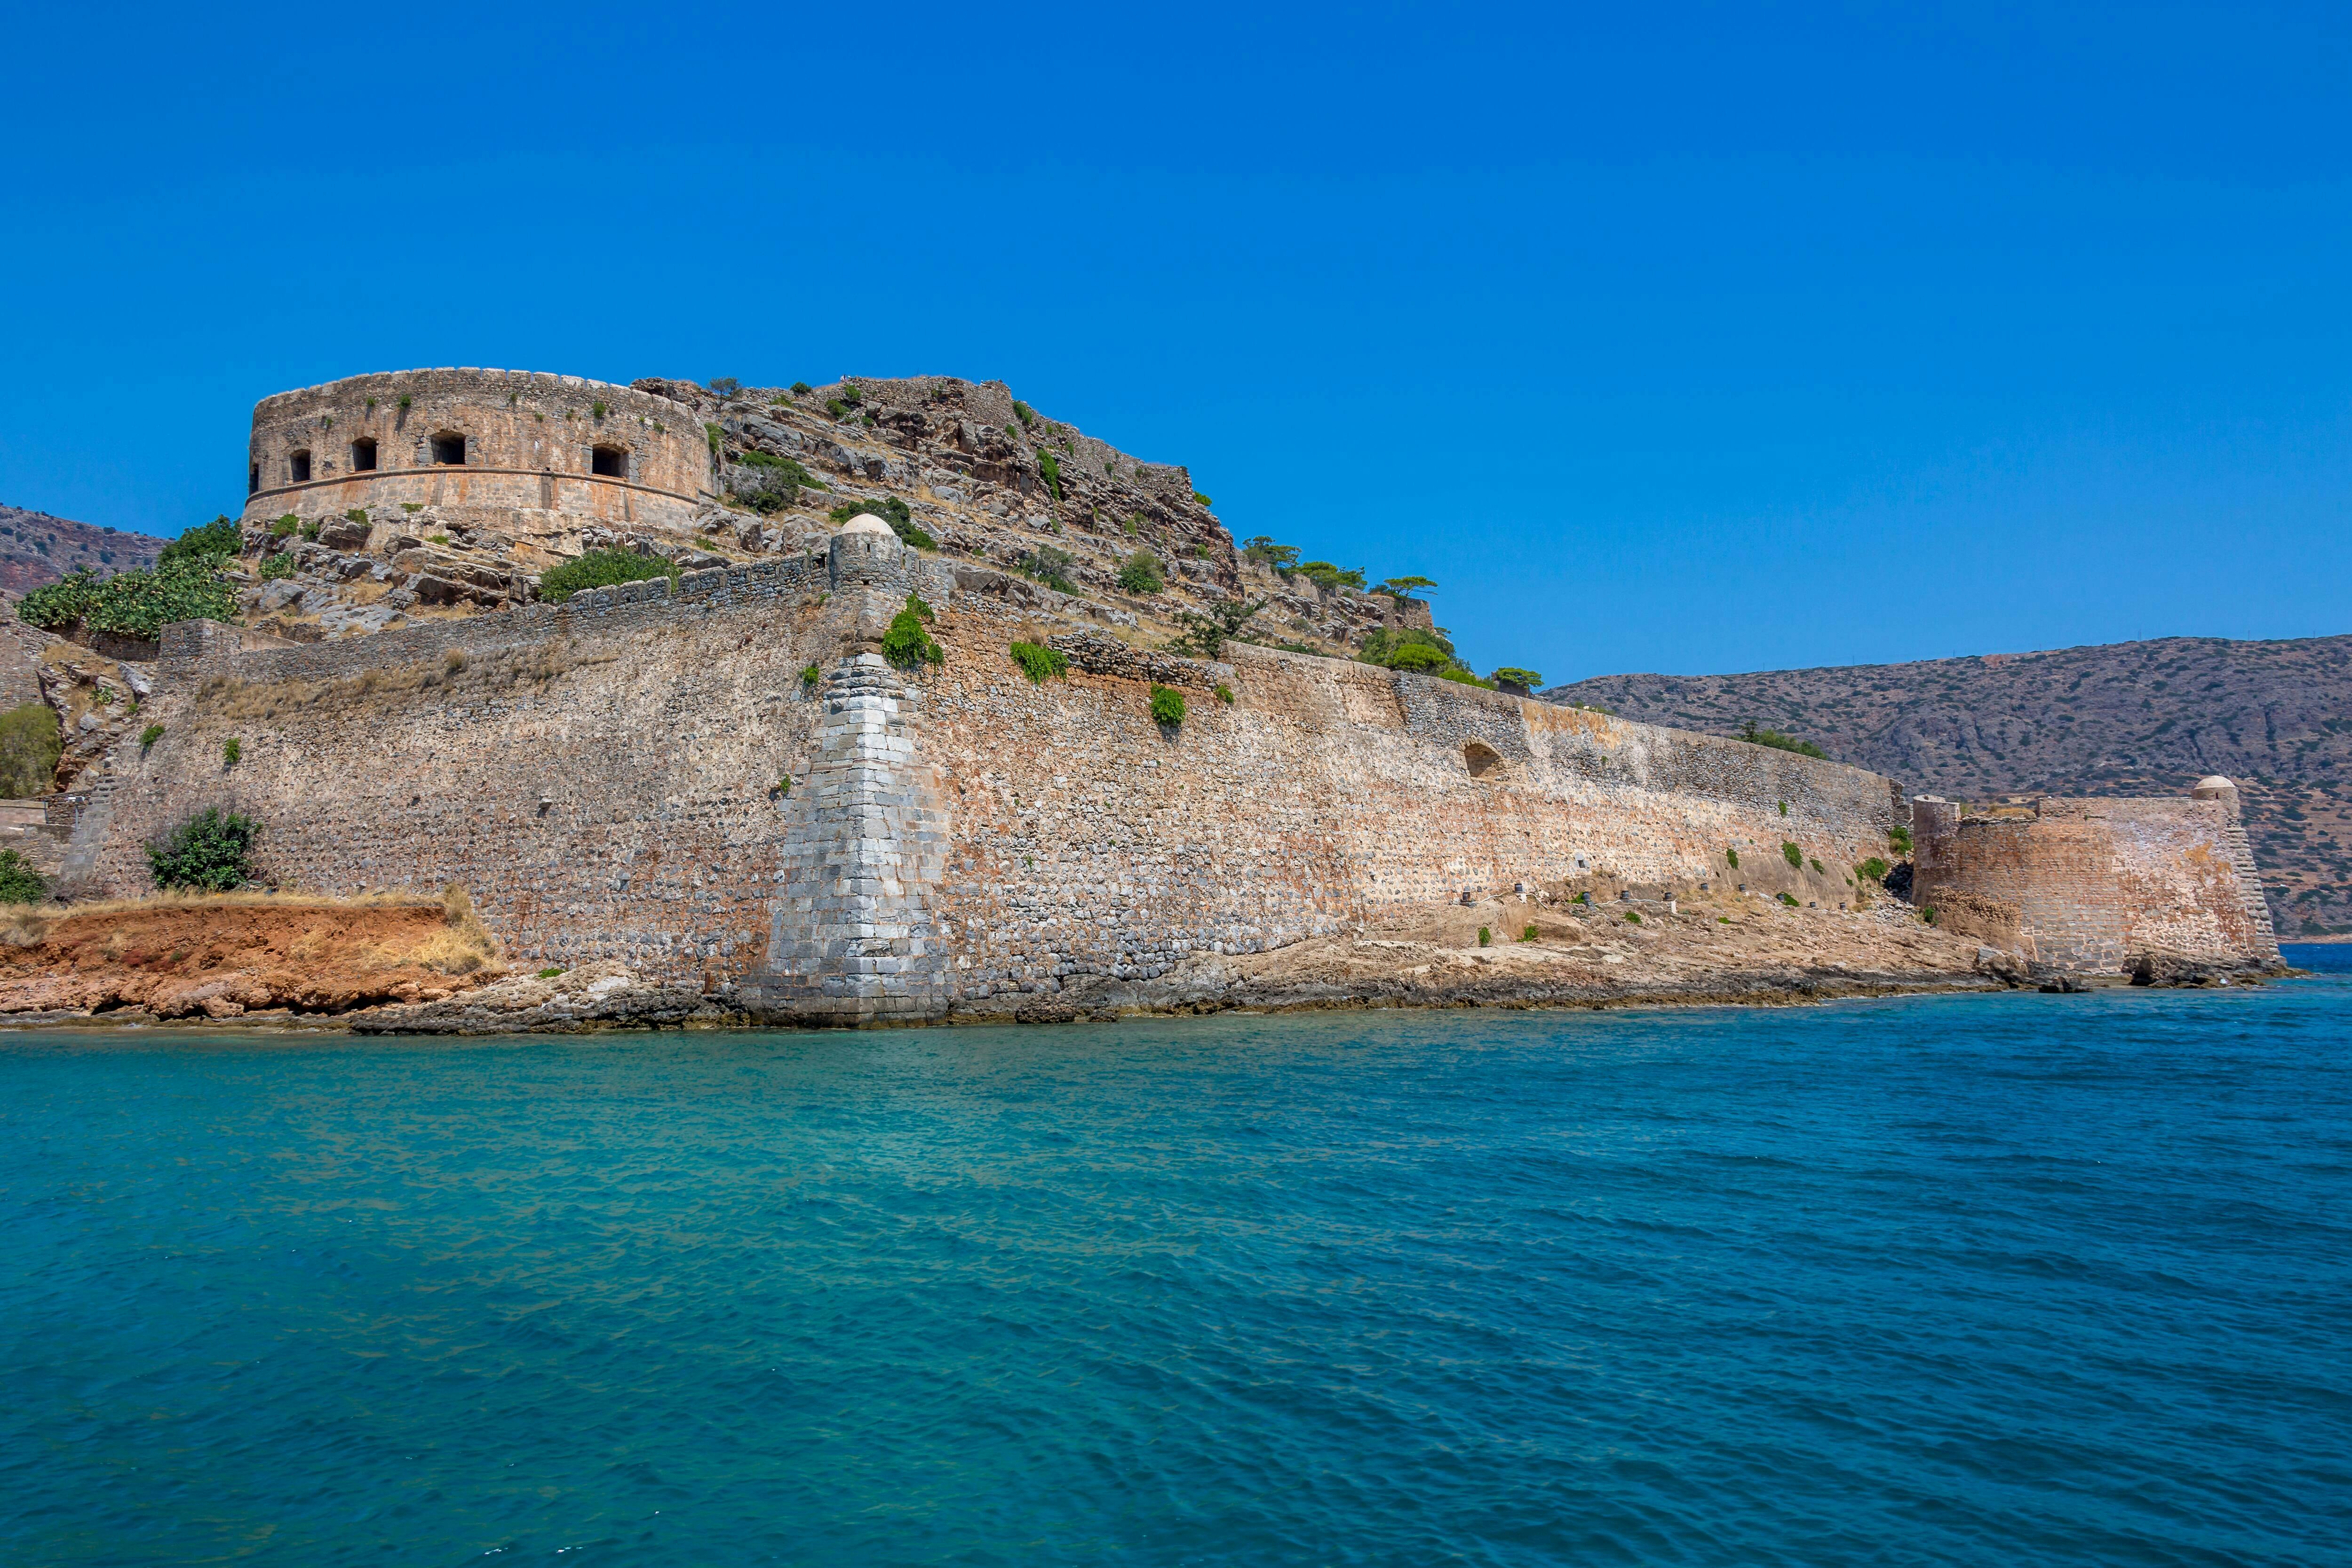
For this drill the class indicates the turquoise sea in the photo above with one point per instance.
(2009, 1279)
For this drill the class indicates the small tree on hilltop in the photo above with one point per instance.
(208, 853)
(1405, 587)
(1518, 682)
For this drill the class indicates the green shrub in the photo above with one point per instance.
(1929, 914)
(135, 603)
(1778, 742)
(599, 408)
(724, 386)
(907, 644)
(1206, 636)
(1262, 549)
(889, 508)
(1584, 898)
(1789, 899)
(1900, 838)
(1023, 413)
(218, 538)
(710, 433)
(404, 400)
(1142, 575)
(149, 736)
(1511, 677)
(1412, 648)
(1051, 466)
(1784, 808)
(1200, 499)
(600, 569)
(1733, 856)
(1460, 677)
(1817, 865)
(310, 531)
(1633, 917)
(356, 514)
(1874, 869)
(439, 537)
(1040, 664)
(1167, 705)
(1486, 936)
(30, 744)
(1225, 693)
(1529, 934)
(19, 883)
(1330, 578)
(550, 972)
(207, 853)
(779, 483)
(275, 567)
(1404, 588)
(232, 751)
(810, 676)
(285, 526)
(1048, 565)
(1793, 856)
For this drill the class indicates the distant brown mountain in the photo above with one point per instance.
(2136, 718)
(35, 548)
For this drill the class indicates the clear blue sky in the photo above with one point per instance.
(1682, 339)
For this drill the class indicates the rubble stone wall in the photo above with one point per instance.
(530, 444)
(608, 779)
(2095, 884)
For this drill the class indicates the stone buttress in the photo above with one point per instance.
(851, 938)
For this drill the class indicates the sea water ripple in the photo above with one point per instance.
(2022, 1278)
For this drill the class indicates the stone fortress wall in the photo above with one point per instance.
(2092, 886)
(647, 775)
(484, 440)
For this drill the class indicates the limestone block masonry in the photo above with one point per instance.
(2093, 885)
(722, 785)
(480, 441)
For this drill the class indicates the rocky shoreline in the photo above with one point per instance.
(1724, 952)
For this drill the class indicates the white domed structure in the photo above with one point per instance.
(2213, 786)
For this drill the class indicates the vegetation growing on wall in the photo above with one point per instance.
(1167, 705)
(1417, 649)
(208, 853)
(600, 569)
(907, 644)
(1051, 466)
(1206, 636)
(1793, 856)
(1039, 663)
(1779, 742)
(19, 883)
(135, 603)
(29, 746)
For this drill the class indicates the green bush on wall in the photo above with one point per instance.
(19, 883)
(1793, 856)
(600, 569)
(206, 853)
(1167, 705)
(30, 744)
(1733, 856)
(1040, 664)
(906, 644)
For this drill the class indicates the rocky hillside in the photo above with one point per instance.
(2143, 718)
(35, 548)
(1041, 511)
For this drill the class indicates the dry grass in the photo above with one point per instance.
(226, 697)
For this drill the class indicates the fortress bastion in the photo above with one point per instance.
(483, 442)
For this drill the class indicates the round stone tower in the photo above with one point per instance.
(477, 441)
(2213, 786)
